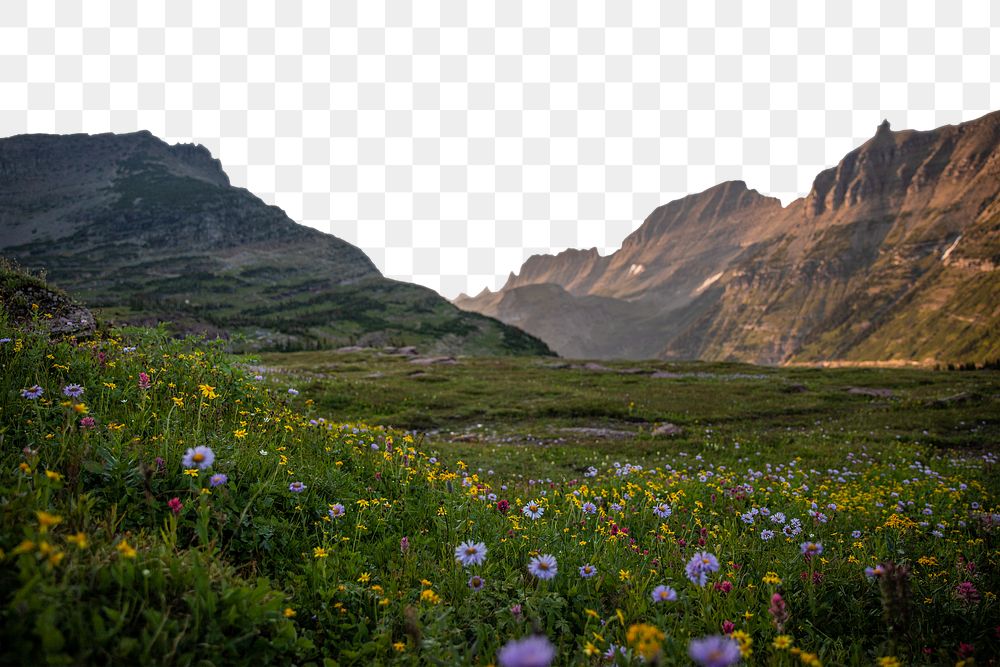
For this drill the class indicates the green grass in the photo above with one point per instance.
(96, 567)
(516, 410)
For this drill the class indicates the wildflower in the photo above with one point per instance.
(810, 549)
(239, 434)
(889, 661)
(32, 392)
(398, 647)
(766, 534)
(587, 571)
(663, 510)
(699, 567)
(79, 539)
(26, 546)
(967, 593)
(296, 487)
(470, 553)
(88, 423)
(46, 521)
(218, 479)
(714, 651)
(664, 594)
(191, 472)
(80, 408)
(589, 508)
(175, 505)
(745, 643)
(543, 567)
(336, 511)
(772, 578)
(779, 612)
(533, 510)
(782, 642)
(364, 578)
(856, 534)
(289, 612)
(503, 506)
(144, 382)
(319, 552)
(534, 651)
(208, 391)
(201, 457)
(645, 639)
(53, 475)
(430, 596)
(872, 572)
(73, 390)
(404, 544)
(476, 582)
(293, 392)
(126, 550)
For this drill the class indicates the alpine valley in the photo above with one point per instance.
(148, 232)
(892, 257)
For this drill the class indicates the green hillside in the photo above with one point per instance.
(164, 503)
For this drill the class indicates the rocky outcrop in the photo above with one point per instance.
(891, 256)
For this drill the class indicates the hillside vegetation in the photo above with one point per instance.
(163, 503)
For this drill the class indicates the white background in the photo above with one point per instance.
(451, 139)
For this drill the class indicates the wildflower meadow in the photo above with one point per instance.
(162, 503)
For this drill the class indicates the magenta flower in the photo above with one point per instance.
(175, 505)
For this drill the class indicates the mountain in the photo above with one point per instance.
(146, 231)
(892, 256)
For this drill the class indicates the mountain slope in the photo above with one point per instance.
(150, 231)
(891, 256)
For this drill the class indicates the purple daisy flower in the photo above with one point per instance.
(766, 534)
(533, 510)
(543, 567)
(336, 511)
(810, 549)
(587, 571)
(198, 457)
(714, 651)
(663, 510)
(73, 390)
(476, 582)
(32, 392)
(534, 651)
(664, 594)
(218, 479)
(470, 553)
(296, 487)
(589, 508)
(700, 566)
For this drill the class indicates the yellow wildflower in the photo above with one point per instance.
(289, 612)
(782, 642)
(79, 539)
(319, 552)
(399, 647)
(126, 550)
(53, 475)
(193, 472)
(46, 520)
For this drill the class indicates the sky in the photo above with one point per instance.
(451, 140)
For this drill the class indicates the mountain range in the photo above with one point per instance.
(145, 232)
(892, 256)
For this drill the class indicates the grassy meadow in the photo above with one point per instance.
(166, 503)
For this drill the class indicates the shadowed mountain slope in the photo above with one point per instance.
(147, 231)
